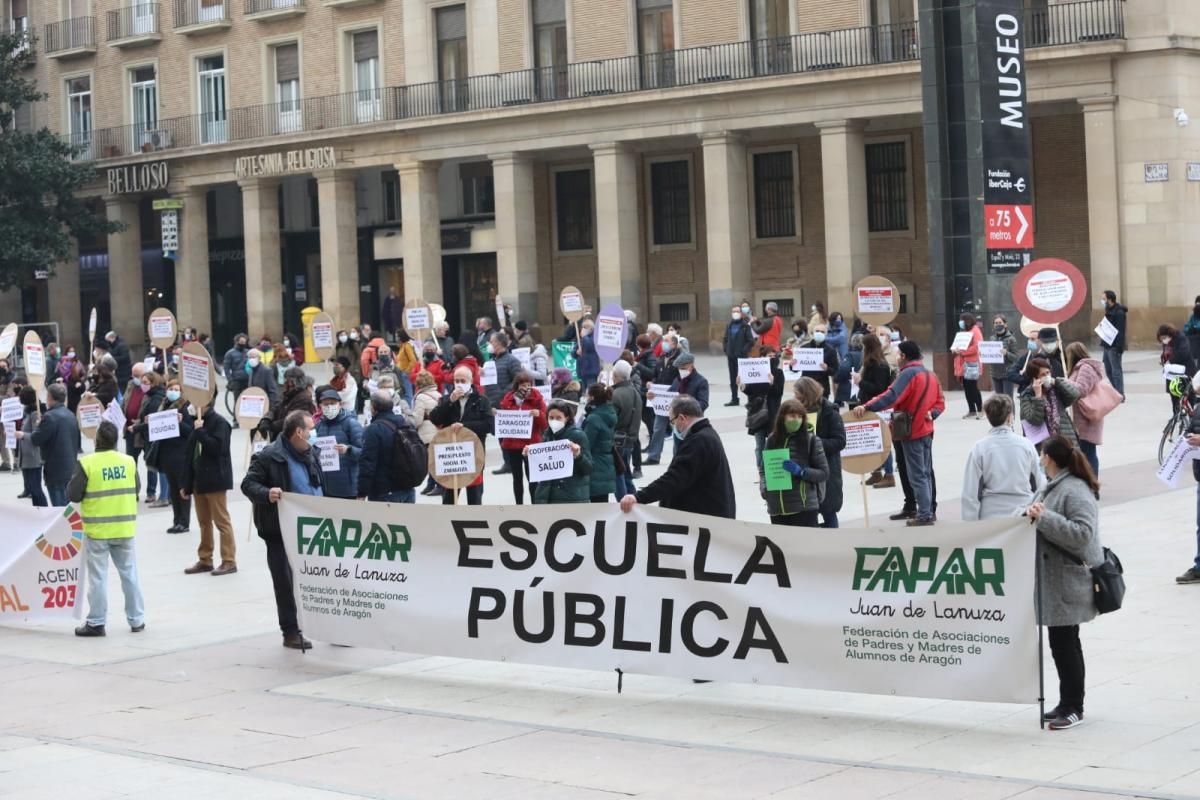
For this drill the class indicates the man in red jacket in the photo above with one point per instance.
(916, 392)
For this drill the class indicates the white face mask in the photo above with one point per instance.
(343, 338)
(331, 412)
(737, 315)
(1051, 347)
(684, 373)
(587, 331)
(354, 335)
(1164, 342)
(819, 337)
(1048, 381)
(745, 309)
(287, 342)
(557, 425)
(462, 387)
(254, 362)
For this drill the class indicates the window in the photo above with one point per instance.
(550, 47)
(573, 209)
(18, 19)
(143, 105)
(478, 190)
(787, 306)
(213, 111)
(774, 195)
(671, 202)
(367, 92)
(390, 180)
(287, 87)
(673, 312)
(656, 42)
(887, 186)
(79, 115)
(451, 24)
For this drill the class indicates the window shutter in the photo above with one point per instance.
(366, 45)
(20, 8)
(647, 5)
(546, 12)
(287, 63)
(451, 23)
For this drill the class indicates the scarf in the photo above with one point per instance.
(339, 382)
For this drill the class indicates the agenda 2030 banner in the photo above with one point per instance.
(943, 611)
(41, 563)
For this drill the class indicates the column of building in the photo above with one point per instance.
(338, 209)
(193, 289)
(125, 288)
(618, 243)
(516, 233)
(727, 215)
(1104, 214)
(64, 303)
(422, 230)
(847, 236)
(264, 284)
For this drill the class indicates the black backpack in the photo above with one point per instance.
(409, 464)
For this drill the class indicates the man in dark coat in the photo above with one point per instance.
(269, 476)
(736, 344)
(465, 406)
(57, 436)
(375, 464)
(1115, 313)
(262, 377)
(698, 479)
(208, 475)
(689, 381)
(117, 348)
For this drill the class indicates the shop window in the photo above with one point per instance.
(887, 186)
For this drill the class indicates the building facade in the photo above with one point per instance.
(674, 156)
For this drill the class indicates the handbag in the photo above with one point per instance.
(1099, 402)
(1108, 579)
(150, 454)
(971, 371)
(902, 421)
(757, 418)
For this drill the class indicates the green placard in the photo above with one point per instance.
(564, 356)
(778, 479)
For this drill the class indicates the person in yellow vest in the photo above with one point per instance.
(105, 486)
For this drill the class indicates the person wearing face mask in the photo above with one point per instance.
(770, 328)
(1117, 315)
(762, 402)
(340, 423)
(1012, 356)
(829, 358)
(587, 361)
(665, 374)
(296, 395)
(465, 407)
(968, 367)
(599, 425)
(289, 464)
(370, 352)
(173, 455)
(577, 488)
(873, 379)
(377, 479)
(522, 397)
(260, 375)
(836, 335)
(1044, 403)
(208, 478)
(343, 383)
(295, 345)
(1066, 513)
(806, 466)
(1002, 471)
(350, 350)
(234, 363)
(424, 402)
(1175, 350)
(689, 380)
(698, 479)
(736, 344)
(73, 376)
(282, 362)
(1049, 349)
(826, 423)
(655, 332)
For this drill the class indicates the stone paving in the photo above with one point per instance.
(205, 703)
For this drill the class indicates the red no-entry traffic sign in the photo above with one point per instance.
(1009, 227)
(1049, 290)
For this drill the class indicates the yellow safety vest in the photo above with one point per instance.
(110, 501)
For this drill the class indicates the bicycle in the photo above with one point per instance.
(1177, 426)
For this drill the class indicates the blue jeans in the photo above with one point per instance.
(33, 485)
(97, 552)
(657, 438)
(58, 495)
(407, 388)
(889, 466)
(164, 486)
(918, 462)
(1089, 451)
(1114, 370)
(625, 482)
(401, 496)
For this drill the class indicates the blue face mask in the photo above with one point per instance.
(1032, 346)
(312, 437)
(173, 395)
(962, 325)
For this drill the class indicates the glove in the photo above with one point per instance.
(794, 468)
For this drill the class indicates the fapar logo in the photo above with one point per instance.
(889, 569)
(325, 537)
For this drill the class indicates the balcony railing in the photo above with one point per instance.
(71, 34)
(20, 27)
(805, 53)
(132, 22)
(200, 13)
(274, 7)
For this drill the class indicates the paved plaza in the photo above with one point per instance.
(207, 704)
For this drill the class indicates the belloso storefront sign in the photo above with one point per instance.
(138, 178)
(285, 162)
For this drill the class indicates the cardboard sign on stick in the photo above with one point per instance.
(161, 327)
(195, 374)
(570, 302)
(324, 341)
(448, 466)
(35, 361)
(876, 300)
(8, 339)
(252, 405)
(90, 413)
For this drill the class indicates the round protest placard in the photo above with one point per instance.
(323, 340)
(418, 319)
(92, 328)
(252, 405)
(35, 361)
(89, 413)
(1049, 289)
(455, 457)
(1031, 327)
(439, 314)
(8, 339)
(161, 327)
(611, 332)
(876, 300)
(868, 443)
(196, 375)
(570, 302)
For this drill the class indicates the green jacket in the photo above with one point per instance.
(575, 489)
(599, 426)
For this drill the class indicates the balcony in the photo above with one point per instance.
(20, 27)
(274, 9)
(71, 38)
(347, 3)
(134, 26)
(201, 16)
(1088, 21)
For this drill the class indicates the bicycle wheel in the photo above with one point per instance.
(1170, 435)
(230, 400)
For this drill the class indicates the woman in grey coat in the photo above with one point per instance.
(1067, 514)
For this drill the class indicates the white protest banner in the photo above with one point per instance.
(754, 370)
(991, 352)
(328, 454)
(35, 359)
(1106, 331)
(251, 406)
(808, 359)
(1173, 465)
(90, 415)
(418, 318)
(487, 375)
(161, 326)
(259, 446)
(571, 301)
(514, 424)
(550, 461)
(522, 355)
(41, 564)
(10, 435)
(949, 615)
(962, 340)
(115, 415)
(194, 371)
(876, 300)
(454, 458)
(163, 425)
(863, 438)
(148, 362)
(661, 400)
(11, 409)
(322, 335)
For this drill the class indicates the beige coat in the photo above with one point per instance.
(424, 402)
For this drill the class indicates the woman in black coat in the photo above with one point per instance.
(825, 420)
(1177, 351)
(760, 396)
(172, 454)
(873, 379)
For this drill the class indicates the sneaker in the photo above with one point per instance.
(6, 468)
(296, 641)
(733, 403)
(160, 503)
(225, 569)
(1064, 721)
(637, 475)
(23, 496)
(1191, 576)
(920, 523)
(886, 482)
(90, 630)
(1052, 714)
(969, 415)
(177, 529)
(904, 513)
(137, 628)
(197, 568)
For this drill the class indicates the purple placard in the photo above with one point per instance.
(611, 332)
